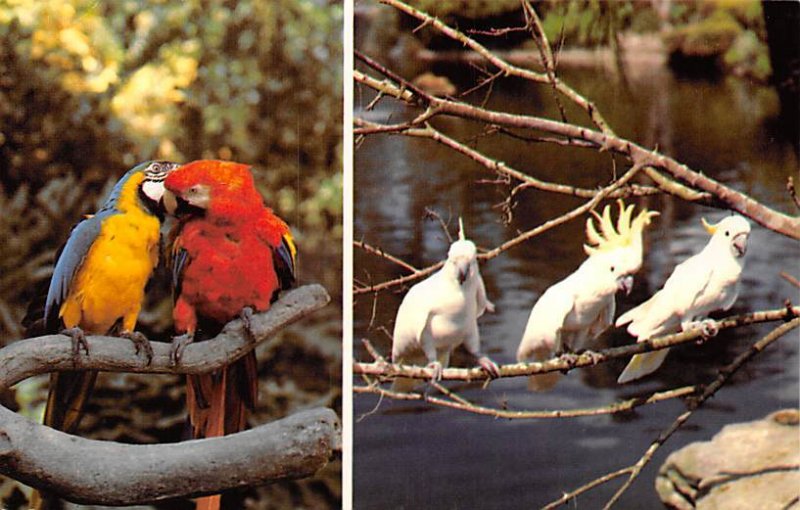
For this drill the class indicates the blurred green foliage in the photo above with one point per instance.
(730, 31)
(472, 9)
(90, 88)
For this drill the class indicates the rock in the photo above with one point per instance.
(745, 466)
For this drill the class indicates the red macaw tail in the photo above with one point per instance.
(218, 403)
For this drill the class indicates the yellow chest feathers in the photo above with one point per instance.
(109, 285)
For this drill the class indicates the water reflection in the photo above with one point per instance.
(404, 458)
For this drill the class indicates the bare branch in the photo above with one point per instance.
(566, 363)
(379, 252)
(596, 199)
(724, 375)
(792, 192)
(791, 279)
(546, 54)
(294, 447)
(463, 405)
(508, 69)
(725, 196)
(26, 358)
(44, 458)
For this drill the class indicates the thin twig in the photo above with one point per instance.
(539, 37)
(724, 375)
(379, 252)
(791, 279)
(596, 199)
(633, 470)
(461, 404)
(723, 196)
(508, 69)
(792, 192)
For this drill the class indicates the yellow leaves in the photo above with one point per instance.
(144, 21)
(148, 102)
(74, 41)
(70, 37)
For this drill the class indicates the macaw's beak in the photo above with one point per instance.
(740, 244)
(625, 284)
(177, 206)
(170, 202)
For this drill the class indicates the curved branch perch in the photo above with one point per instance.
(51, 353)
(294, 447)
(89, 471)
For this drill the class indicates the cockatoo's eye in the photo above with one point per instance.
(612, 269)
(727, 233)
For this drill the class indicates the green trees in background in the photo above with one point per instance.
(89, 88)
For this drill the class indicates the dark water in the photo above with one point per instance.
(416, 457)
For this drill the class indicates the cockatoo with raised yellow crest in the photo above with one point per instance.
(441, 312)
(703, 283)
(576, 310)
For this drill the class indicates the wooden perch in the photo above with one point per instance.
(50, 353)
(382, 368)
(109, 473)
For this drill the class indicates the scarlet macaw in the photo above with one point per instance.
(231, 256)
(98, 281)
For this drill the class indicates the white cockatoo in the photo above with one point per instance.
(703, 283)
(441, 312)
(576, 310)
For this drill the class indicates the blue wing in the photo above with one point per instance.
(69, 261)
(179, 257)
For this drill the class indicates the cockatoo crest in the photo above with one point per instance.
(627, 232)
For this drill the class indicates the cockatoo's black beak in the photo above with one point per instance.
(463, 272)
(625, 284)
(740, 244)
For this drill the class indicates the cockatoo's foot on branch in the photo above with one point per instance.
(570, 357)
(78, 338)
(247, 323)
(437, 371)
(140, 342)
(489, 366)
(709, 328)
(596, 357)
(179, 343)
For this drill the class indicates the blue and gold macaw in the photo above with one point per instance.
(99, 280)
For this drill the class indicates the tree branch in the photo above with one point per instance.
(44, 458)
(34, 356)
(723, 376)
(569, 362)
(109, 473)
(524, 236)
(728, 197)
(510, 414)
